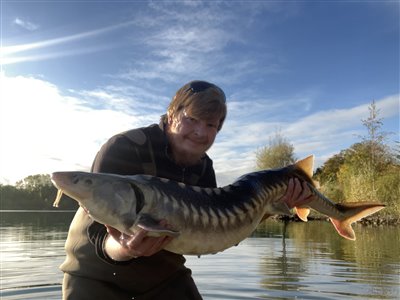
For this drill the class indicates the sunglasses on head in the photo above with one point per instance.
(201, 86)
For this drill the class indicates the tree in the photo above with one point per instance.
(396, 153)
(367, 170)
(373, 125)
(279, 153)
(33, 182)
(328, 172)
(39, 184)
(327, 176)
(33, 192)
(375, 154)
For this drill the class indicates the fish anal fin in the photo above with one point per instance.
(302, 213)
(307, 165)
(154, 227)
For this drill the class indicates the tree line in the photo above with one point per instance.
(35, 192)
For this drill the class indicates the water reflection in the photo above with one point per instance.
(32, 244)
(280, 261)
(313, 255)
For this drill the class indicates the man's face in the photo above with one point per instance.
(192, 136)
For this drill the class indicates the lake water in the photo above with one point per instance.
(293, 261)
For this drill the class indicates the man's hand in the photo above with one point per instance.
(120, 246)
(297, 193)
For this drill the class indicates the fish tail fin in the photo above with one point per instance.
(344, 229)
(302, 213)
(353, 212)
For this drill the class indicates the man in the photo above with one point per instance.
(103, 263)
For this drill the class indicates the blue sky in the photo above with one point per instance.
(73, 73)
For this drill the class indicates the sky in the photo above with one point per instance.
(74, 73)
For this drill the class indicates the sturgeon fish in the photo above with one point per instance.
(202, 220)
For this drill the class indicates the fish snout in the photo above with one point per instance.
(67, 179)
(76, 185)
(57, 179)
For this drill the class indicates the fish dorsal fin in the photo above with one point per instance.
(307, 165)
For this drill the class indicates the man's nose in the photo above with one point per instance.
(201, 129)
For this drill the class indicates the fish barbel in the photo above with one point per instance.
(202, 220)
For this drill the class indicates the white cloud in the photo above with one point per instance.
(9, 59)
(64, 39)
(325, 123)
(177, 51)
(203, 39)
(43, 130)
(8, 53)
(26, 24)
(199, 47)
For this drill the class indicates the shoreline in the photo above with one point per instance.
(371, 221)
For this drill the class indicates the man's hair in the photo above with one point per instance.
(200, 99)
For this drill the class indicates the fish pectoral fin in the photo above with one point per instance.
(154, 227)
(302, 213)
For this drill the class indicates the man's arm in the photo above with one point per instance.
(122, 247)
(297, 193)
(114, 157)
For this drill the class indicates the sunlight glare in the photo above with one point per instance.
(43, 131)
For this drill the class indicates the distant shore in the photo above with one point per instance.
(369, 221)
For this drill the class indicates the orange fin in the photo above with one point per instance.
(307, 165)
(354, 212)
(344, 229)
(302, 213)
